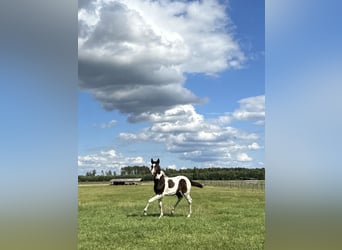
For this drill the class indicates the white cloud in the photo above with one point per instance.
(254, 146)
(251, 109)
(185, 132)
(109, 124)
(172, 166)
(110, 153)
(243, 157)
(109, 159)
(134, 54)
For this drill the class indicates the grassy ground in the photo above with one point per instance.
(111, 217)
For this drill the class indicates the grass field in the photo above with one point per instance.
(111, 217)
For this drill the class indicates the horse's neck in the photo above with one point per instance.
(163, 173)
(158, 176)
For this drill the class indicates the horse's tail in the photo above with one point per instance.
(196, 184)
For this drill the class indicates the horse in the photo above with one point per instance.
(163, 185)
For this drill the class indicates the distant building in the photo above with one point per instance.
(132, 181)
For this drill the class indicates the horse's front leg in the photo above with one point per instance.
(161, 207)
(154, 198)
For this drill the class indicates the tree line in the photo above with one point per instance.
(192, 173)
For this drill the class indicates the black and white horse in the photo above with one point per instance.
(163, 185)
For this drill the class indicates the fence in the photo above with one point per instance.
(238, 184)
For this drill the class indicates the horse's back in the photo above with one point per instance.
(178, 184)
(178, 178)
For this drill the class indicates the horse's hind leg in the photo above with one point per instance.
(180, 197)
(188, 198)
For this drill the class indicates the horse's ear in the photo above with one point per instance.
(158, 161)
(151, 160)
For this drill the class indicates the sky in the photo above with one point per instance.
(182, 81)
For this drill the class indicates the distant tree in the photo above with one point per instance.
(91, 173)
(195, 173)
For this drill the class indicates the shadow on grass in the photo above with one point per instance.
(141, 215)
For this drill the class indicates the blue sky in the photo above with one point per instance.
(182, 81)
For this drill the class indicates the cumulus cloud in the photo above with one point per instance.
(172, 166)
(185, 132)
(243, 157)
(254, 146)
(251, 109)
(109, 159)
(134, 54)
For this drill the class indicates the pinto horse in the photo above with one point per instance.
(163, 185)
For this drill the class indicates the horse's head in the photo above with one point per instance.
(155, 168)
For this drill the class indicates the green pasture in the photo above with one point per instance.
(224, 217)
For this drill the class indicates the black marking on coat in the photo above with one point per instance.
(159, 185)
(179, 195)
(181, 187)
(171, 184)
(157, 167)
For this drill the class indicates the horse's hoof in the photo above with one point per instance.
(145, 213)
(188, 216)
